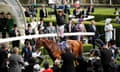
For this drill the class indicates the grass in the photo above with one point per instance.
(104, 11)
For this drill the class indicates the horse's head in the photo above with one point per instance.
(50, 46)
(39, 43)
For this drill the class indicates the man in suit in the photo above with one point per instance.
(90, 9)
(30, 31)
(27, 50)
(16, 61)
(66, 8)
(68, 61)
(51, 29)
(41, 26)
(3, 25)
(43, 12)
(3, 57)
(106, 58)
(85, 13)
(70, 27)
(77, 12)
(14, 33)
(10, 23)
(92, 28)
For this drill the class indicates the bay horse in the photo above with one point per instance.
(53, 48)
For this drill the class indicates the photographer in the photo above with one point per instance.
(94, 62)
(106, 59)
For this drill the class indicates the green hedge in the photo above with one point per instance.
(87, 47)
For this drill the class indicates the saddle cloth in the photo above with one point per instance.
(63, 45)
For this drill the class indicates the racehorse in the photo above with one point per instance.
(54, 50)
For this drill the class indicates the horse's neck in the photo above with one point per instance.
(48, 46)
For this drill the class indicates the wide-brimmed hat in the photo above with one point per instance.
(108, 20)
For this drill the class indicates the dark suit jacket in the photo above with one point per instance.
(106, 56)
(32, 33)
(73, 29)
(67, 28)
(27, 14)
(68, 62)
(92, 10)
(87, 13)
(42, 14)
(3, 25)
(77, 15)
(13, 34)
(3, 58)
(28, 33)
(27, 53)
(66, 10)
(91, 29)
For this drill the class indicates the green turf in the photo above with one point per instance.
(104, 11)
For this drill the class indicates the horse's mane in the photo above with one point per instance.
(52, 47)
(49, 42)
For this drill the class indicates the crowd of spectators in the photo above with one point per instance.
(29, 60)
(62, 19)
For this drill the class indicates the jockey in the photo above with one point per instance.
(63, 44)
(61, 21)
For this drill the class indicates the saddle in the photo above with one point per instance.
(62, 45)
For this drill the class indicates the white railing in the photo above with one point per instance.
(44, 36)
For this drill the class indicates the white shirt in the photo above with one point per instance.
(94, 27)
